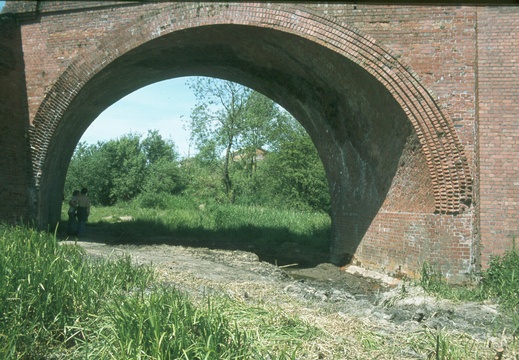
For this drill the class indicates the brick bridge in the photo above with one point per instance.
(414, 109)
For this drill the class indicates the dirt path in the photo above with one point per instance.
(340, 302)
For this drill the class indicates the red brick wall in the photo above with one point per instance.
(401, 242)
(15, 198)
(498, 132)
(439, 44)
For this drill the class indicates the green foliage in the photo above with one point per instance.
(163, 176)
(163, 324)
(218, 120)
(56, 302)
(441, 345)
(241, 225)
(126, 167)
(266, 126)
(432, 280)
(294, 175)
(122, 169)
(238, 122)
(219, 114)
(152, 200)
(46, 288)
(156, 148)
(204, 180)
(235, 121)
(229, 120)
(499, 283)
(88, 168)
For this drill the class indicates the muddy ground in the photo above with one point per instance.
(333, 299)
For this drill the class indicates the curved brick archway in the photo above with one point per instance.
(364, 109)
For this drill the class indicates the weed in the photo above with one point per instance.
(254, 225)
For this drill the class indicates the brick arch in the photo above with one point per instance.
(446, 162)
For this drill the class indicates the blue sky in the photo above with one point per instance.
(164, 106)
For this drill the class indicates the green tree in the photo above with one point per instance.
(123, 168)
(156, 148)
(217, 121)
(266, 125)
(126, 167)
(87, 168)
(294, 176)
(204, 184)
(162, 170)
(234, 121)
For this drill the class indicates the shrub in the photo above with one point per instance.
(150, 200)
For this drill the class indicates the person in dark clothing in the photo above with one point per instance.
(72, 227)
(83, 211)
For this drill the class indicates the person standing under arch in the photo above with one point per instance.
(83, 210)
(72, 227)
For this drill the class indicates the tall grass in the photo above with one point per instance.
(56, 302)
(500, 281)
(162, 324)
(45, 288)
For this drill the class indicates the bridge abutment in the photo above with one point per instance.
(18, 199)
(414, 110)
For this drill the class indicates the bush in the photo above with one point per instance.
(150, 200)
(54, 300)
(163, 324)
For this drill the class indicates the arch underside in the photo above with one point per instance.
(369, 116)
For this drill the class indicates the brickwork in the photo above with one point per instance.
(388, 94)
(16, 203)
(400, 242)
(438, 43)
(498, 102)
